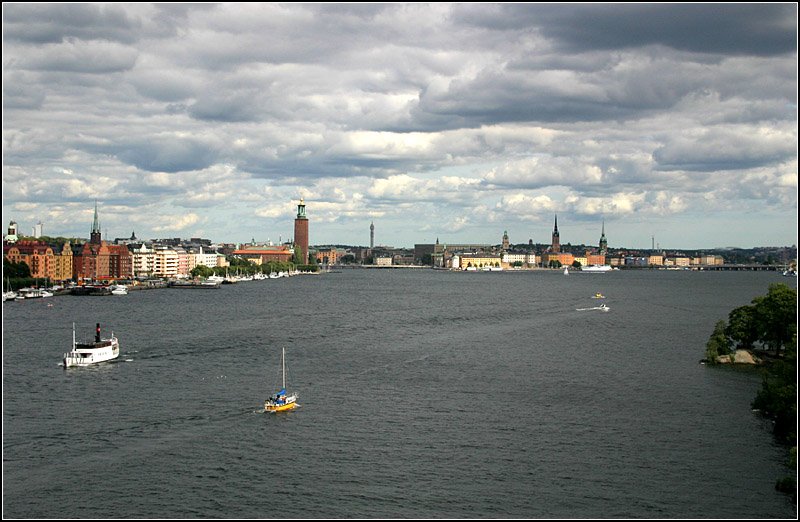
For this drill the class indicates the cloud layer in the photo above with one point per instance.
(212, 120)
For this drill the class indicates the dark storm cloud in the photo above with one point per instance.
(55, 23)
(166, 153)
(752, 29)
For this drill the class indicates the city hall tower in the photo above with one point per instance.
(301, 231)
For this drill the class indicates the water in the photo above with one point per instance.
(424, 394)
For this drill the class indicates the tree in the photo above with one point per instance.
(741, 328)
(19, 270)
(718, 344)
(777, 398)
(201, 271)
(775, 316)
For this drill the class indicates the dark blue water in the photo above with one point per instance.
(424, 394)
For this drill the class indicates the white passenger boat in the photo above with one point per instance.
(596, 268)
(119, 290)
(85, 354)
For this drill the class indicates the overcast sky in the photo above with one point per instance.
(673, 124)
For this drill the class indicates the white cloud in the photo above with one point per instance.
(501, 112)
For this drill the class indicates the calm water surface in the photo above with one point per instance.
(423, 394)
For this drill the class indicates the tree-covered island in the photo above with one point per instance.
(768, 328)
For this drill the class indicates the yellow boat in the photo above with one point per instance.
(281, 401)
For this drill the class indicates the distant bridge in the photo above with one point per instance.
(769, 268)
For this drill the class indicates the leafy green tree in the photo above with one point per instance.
(201, 271)
(718, 344)
(777, 398)
(776, 316)
(741, 328)
(19, 270)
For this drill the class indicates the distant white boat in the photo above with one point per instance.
(596, 268)
(32, 293)
(566, 271)
(8, 293)
(602, 308)
(119, 290)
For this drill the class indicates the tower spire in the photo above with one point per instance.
(96, 237)
(96, 222)
(603, 241)
(556, 244)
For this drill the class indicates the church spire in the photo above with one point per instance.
(96, 236)
(603, 241)
(556, 244)
(96, 222)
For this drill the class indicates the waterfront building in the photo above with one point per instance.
(199, 257)
(681, 261)
(564, 258)
(37, 255)
(595, 259)
(328, 256)
(165, 262)
(301, 231)
(260, 254)
(555, 245)
(616, 261)
(424, 251)
(525, 259)
(63, 264)
(144, 260)
(581, 260)
(183, 261)
(655, 260)
(382, 260)
(479, 260)
(99, 260)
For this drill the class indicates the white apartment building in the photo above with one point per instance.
(510, 258)
(144, 261)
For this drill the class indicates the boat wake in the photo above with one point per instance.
(602, 308)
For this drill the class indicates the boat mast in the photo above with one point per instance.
(73, 335)
(283, 365)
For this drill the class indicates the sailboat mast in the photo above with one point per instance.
(73, 335)
(283, 365)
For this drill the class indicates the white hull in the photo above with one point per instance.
(596, 268)
(86, 355)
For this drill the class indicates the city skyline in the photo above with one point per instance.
(668, 123)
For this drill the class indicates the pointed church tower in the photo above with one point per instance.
(556, 245)
(96, 236)
(603, 241)
(505, 240)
